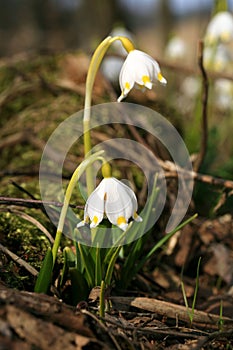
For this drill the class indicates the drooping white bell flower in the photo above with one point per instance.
(115, 200)
(141, 69)
(220, 28)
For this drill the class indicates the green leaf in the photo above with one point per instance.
(45, 275)
(79, 286)
(102, 300)
(88, 265)
(113, 249)
(69, 261)
(98, 267)
(135, 249)
(161, 242)
(108, 276)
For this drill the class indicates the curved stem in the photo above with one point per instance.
(93, 68)
(73, 181)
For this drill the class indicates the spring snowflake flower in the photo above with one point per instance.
(220, 28)
(113, 199)
(141, 69)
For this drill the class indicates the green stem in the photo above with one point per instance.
(219, 5)
(93, 68)
(102, 300)
(73, 181)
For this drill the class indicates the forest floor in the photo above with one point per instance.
(37, 93)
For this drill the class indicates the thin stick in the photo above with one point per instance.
(204, 129)
(33, 203)
(18, 260)
(102, 325)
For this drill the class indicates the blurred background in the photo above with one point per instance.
(81, 24)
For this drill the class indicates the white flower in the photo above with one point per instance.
(176, 49)
(114, 199)
(141, 69)
(223, 89)
(111, 67)
(220, 28)
(217, 58)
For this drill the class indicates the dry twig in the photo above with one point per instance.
(18, 260)
(204, 128)
(173, 311)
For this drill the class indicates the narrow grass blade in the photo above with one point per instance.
(196, 288)
(108, 276)
(79, 287)
(45, 275)
(98, 267)
(161, 242)
(69, 261)
(88, 265)
(102, 300)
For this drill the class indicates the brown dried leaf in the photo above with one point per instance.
(221, 263)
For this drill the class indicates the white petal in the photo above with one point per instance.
(120, 202)
(163, 80)
(148, 85)
(80, 224)
(139, 68)
(123, 226)
(137, 218)
(94, 208)
(121, 97)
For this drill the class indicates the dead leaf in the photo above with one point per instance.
(221, 263)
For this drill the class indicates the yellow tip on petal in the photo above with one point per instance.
(80, 224)
(125, 91)
(83, 222)
(136, 217)
(120, 98)
(146, 81)
(127, 86)
(94, 222)
(121, 222)
(161, 78)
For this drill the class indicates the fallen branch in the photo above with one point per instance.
(176, 312)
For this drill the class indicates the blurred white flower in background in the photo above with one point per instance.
(218, 58)
(220, 28)
(223, 90)
(191, 87)
(176, 48)
(111, 65)
(117, 46)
